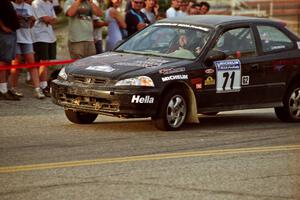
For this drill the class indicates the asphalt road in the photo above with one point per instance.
(234, 155)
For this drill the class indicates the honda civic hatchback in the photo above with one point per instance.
(178, 68)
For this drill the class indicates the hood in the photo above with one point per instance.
(112, 65)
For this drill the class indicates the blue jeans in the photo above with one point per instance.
(8, 42)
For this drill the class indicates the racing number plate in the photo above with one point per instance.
(228, 75)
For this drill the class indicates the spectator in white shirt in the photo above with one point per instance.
(44, 38)
(25, 47)
(174, 9)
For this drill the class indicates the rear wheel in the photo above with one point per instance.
(290, 112)
(173, 111)
(80, 117)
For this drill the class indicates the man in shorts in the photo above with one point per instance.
(44, 38)
(24, 49)
(9, 23)
(81, 30)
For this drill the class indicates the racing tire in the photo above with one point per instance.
(290, 112)
(80, 117)
(172, 112)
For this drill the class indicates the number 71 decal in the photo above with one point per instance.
(228, 75)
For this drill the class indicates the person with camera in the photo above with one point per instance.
(81, 30)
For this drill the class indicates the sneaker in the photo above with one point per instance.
(38, 93)
(16, 92)
(46, 91)
(8, 96)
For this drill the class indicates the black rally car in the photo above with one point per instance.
(178, 68)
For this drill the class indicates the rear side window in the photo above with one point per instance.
(273, 39)
(237, 43)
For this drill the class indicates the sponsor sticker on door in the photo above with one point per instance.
(228, 75)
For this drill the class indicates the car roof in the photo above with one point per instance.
(216, 20)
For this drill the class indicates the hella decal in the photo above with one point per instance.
(139, 99)
(175, 77)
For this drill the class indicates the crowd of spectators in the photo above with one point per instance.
(26, 33)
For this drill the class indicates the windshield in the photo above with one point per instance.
(168, 40)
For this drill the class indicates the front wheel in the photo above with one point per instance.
(173, 111)
(80, 117)
(290, 112)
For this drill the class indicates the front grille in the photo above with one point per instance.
(90, 103)
(88, 80)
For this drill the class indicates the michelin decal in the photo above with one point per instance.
(175, 77)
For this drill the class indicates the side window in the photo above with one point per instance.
(273, 39)
(237, 43)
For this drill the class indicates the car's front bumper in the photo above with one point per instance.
(135, 102)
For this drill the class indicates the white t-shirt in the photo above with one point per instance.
(24, 32)
(171, 12)
(41, 31)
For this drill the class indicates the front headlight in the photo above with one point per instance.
(62, 74)
(137, 81)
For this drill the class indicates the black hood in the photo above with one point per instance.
(113, 65)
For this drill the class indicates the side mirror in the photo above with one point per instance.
(214, 55)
